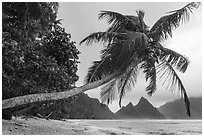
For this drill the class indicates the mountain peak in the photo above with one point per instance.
(144, 109)
(130, 104)
(142, 98)
(176, 109)
(144, 102)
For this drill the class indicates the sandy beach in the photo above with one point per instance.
(38, 126)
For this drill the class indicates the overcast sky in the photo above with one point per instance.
(81, 19)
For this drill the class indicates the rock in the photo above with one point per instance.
(80, 106)
(143, 110)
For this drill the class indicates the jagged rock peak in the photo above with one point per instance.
(144, 109)
(144, 102)
(143, 99)
(130, 104)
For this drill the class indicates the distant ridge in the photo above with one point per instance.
(80, 106)
(84, 107)
(143, 110)
(176, 109)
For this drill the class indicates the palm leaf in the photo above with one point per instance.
(102, 37)
(98, 37)
(112, 17)
(99, 70)
(108, 91)
(175, 59)
(143, 27)
(148, 66)
(135, 42)
(121, 51)
(120, 22)
(117, 20)
(134, 46)
(165, 70)
(127, 81)
(164, 26)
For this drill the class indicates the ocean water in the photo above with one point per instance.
(151, 127)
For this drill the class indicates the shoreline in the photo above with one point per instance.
(39, 126)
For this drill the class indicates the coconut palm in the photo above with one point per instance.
(129, 46)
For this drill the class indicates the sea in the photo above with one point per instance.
(151, 127)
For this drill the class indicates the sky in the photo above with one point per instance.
(81, 19)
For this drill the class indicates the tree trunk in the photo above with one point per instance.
(22, 100)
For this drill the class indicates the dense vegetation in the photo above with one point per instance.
(38, 55)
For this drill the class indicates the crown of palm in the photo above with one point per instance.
(130, 46)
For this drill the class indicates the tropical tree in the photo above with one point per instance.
(129, 46)
(38, 55)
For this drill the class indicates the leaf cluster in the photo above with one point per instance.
(38, 55)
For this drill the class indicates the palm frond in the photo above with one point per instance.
(133, 24)
(140, 14)
(136, 42)
(121, 52)
(93, 74)
(143, 27)
(117, 55)
(134, 46)
(99, 70)
(103, 37)
(108, 91)
(118, 21)
(165, 70)
(164, 26)
(175, 59)
(127, 81)
(124, 81)
(148, 66)
(114, 18)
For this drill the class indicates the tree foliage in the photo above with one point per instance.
(38, 56)
(130, 46)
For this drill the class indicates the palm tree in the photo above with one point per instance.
(129, 46)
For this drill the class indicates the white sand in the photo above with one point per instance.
(37, 126)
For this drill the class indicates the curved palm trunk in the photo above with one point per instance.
(21, 100)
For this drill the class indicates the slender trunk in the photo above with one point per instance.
(21, 100)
